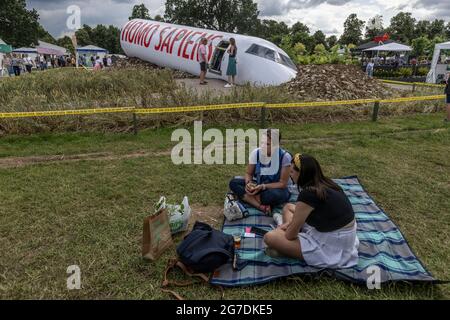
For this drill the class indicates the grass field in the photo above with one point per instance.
(88, 210)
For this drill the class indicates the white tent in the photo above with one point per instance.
(437, 70)
(395, 47)
(51, 49)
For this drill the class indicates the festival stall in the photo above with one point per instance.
(86, 53)
(4, 49)
(440, 64)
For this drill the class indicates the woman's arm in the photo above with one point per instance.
(302, 212)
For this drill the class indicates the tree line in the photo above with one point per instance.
(20, 27)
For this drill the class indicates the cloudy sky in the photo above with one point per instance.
(326, 15)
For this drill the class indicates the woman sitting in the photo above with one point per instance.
(320, 228)
(265, 185)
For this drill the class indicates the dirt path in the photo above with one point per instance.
(214, 87)
(18, 162)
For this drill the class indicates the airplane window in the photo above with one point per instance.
(285, 60)
(270, 54)
(262, 52)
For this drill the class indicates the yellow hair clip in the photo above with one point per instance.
(297, 161)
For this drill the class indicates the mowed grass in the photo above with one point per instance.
(90, 213)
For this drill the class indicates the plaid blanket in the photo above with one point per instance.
(382, 245)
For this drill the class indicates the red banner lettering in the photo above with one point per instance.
(147, 41)
(158, 46)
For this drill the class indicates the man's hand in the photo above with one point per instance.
(255, 191)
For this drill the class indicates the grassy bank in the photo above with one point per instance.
(77, 89)
(90, 212)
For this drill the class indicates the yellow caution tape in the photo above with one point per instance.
(319, 103)
(423, 84)
(63, 112)
(200, 108)
(211, 107)
(410, 99)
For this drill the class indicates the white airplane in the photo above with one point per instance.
(260, 62)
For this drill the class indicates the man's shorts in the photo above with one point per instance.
(203, 66)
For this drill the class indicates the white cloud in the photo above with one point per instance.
(326, 15)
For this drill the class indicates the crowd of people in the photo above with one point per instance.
(15, 64)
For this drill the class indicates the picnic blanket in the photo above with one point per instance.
(382, 245)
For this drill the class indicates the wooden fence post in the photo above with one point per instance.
(376, 108)
(263, 117)
(135, 124)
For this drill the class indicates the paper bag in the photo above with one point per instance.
(156, 236)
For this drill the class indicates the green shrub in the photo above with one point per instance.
(422, 71)
(405, 72)
(303, 59)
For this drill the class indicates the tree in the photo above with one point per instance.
(107, 37)
(239, 16)
(66, 42)
(331, 41)
(19, 27)
(437, 29)
(352, 30)
(421, 46)
(140, 11)
(84, 35)
(447, 31)
(374, 27)
(319, 38)
(299, 27)
(402, 27)
(300, 34)
(43, 35)
(422, 28)
(159, 18)
(272, 30)
(299, 49)
(320, 49)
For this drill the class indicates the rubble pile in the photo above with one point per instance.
(336, 82)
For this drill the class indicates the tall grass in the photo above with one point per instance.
(79, 89)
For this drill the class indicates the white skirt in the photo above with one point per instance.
(334, 250)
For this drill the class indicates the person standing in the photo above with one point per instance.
(8, 64)
(16, 64)
(414, 66)
(369, 69)
(231, 70)
(447, 93)
(28, 63)
(109, 61)
(41, 63)
(98, 64)
(202, 59)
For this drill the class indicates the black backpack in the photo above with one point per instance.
(205, 249)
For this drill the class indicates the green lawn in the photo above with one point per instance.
(90, 212)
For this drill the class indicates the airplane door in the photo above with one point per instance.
(218, 57)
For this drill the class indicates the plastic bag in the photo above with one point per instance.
(178, 214)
